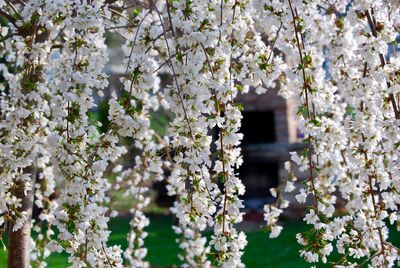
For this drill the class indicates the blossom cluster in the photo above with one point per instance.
(335, 59)
(342, 79)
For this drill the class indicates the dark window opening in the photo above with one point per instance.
(258, 127)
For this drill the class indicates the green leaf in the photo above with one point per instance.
(135, 12)
(240, 106)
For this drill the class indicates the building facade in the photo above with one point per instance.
(270, 132)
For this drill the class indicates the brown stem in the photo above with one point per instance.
(174, 75)
(9, 17)
(105, 253)
(372, 26)
(306, 102)
(371, 191)
(19, 241)
(225, 179)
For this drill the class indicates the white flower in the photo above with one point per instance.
(289, 187)
(302, 196)
(275, 231)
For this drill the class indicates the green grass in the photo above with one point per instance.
(261, 252)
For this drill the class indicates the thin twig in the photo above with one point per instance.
(105, 253)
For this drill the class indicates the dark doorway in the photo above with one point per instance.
(258, 176)
(259, 172)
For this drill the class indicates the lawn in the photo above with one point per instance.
(261, 251)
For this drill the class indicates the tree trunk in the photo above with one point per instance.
(19, 241)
